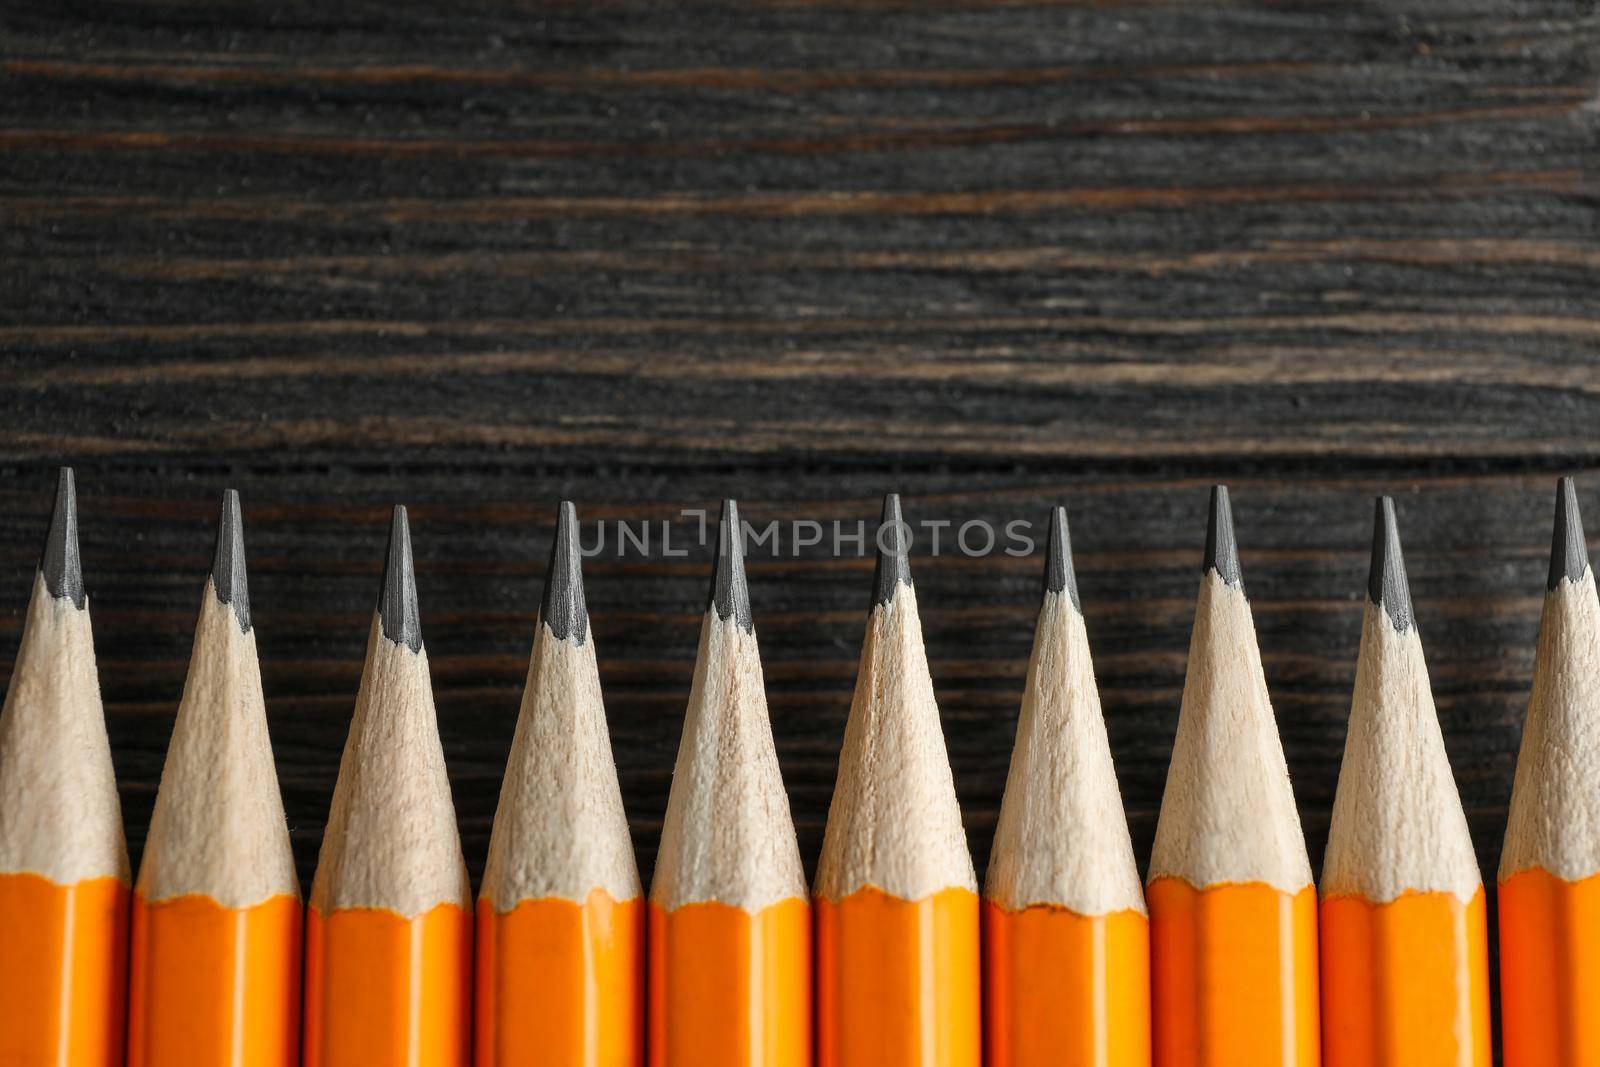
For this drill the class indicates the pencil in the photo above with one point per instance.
(1233, 913)
(1404, 936)
(895, 896)
(389, 930)
(1066, 938)
(1550, 863)
(560, 967)
(730, 923)
(216, 911)
(63, 862)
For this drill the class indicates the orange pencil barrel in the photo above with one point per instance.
(63, 971)
(386, 991)
(1405, 983)
(560, 982)
(1065, 990)
(728, 988)
(1234, 975)
(215, 985)
(1549, 969)
(897, 980)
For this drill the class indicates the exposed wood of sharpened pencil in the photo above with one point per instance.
(389, 933)
(63, 861)
(560, 932)
(1232, 908)
(1549, 904)
(730, 924)
(1404, 936)
(896, 896)
(1066, 937)
(215, 975)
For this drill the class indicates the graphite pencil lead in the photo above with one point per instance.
(894, 564)
(397, 601)
(563, 608)
(1386, 580)
(1058, 573)
(227, 564)
(730, 594)
(1222, 551)
(1569, 553)
(60, 565)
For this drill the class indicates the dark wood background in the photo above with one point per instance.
(476, 258)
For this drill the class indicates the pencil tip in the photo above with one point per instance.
(397, 602)
(60, 564)
(730, 594)
(1569, 552)
(1222, 551)
(894, 566)
(1058, 574)
(227, 562)
(1386, 580)
(563, 608)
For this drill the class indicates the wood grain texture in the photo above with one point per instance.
(993, 256)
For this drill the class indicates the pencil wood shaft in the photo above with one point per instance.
(1404, 943)
(389, 931)
(895, 895)
(63, 861)
(217, 922)
(1232, 909)
(560, 936)
(1549, 881)
(730, 924)
(1066, 936)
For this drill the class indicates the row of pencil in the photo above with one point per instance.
(1223, 958)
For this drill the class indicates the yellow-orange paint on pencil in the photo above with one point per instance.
(1406, 981)
(729, 988)
(561, 981)
(384, 988)
(1063, 988)
(897, 980)
(63, 970)
(214, 984)
(1238, 976)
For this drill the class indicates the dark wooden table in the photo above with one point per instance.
(993, 256)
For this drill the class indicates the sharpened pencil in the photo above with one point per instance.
(730, 923)
(1404, 935)
(1066, 937)
(896, 899)
(215, 977)
(389, 929)
(1550, 863)
(1233, 912)
(560, 967)
(63, 861)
